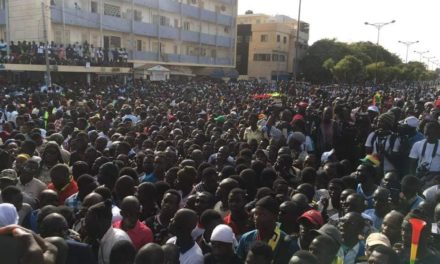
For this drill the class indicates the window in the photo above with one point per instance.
(187, 26)
(261, 57)
(240, 39)
(284, 39)
(227, 29)
(278, 57)
(161, 20)
(137, 15)
(139, 45)
(176, 23)
(213, 53)
(94, 7)
(278, 38)
(158, 47)
(264, 38)
(112, 10)
(115, 42)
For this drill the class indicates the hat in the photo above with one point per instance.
(330, 231)
(9, 174)
(269, 203)
(297, 117)
(411, 121)
(371, 160)
(223, 233)
(313, 217)
(377, 239)
(387, 118)
(373, 108)
(220, 119)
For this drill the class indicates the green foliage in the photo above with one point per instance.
(328, 60)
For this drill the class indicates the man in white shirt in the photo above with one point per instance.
(184, 221)
(425, 154)
(28, 184)
(98, 225)
(383, 142)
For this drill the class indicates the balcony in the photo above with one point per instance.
(2, 17)
(224, 41)
(170, 57)
(224, 20)
(148, 3)
(75, 17)
(190, 11)
(169, 6)
(168, 32)
(188, 59)
(145, 55)
(206, 60)
(208, 15)
(190, 36)
(207, 39)
(144, 29)
(223, 61)
(116, 24)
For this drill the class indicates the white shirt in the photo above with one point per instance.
(433, 164)
(387, 166)
(193, 256)
(109, 239)
(32, 188)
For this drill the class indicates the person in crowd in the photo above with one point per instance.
(223, 242)
(62, 182)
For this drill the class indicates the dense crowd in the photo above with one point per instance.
(77, 54)
(211, 172)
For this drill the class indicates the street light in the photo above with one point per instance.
(295, 69)
(429, 59)
(421, 53)
(378, 26)
(408, 44)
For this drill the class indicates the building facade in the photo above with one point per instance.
(266, 45)
(179, 33)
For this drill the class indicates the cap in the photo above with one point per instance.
(312, 216)
(330, 231)
(373, 108)
(377, 239)
(372, 160)
(223, 233)
(411, 121)
(9, 174)
(297, 117)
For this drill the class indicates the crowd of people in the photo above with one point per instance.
(211, 172)
(77, 54)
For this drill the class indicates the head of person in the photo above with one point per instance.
(183, 222)
(172, 254)
(210, 179)
(222, 241)
(98, 219)
(410, 186)
(308, 221)
(123, 252)
(236, 200)
(386, 121)
(354, 203)
(8, 177)
(48, 197)
(51, 154)
(224, 188)
(392, 225)
(86, 184)
(373, 240)
(147, 195)
(335, 187)
(13, 195)
(54, 224)
(265, 214)
(204, 201)
(303, 257)
(259, 253)
(351, 225)
(383, 255)
(432, 132)
(28, 171)
(8, 214)
(60, 176)
(324, 248)
(108, 174)
(130, 208)
(390, 180)
(186, 178)
(170, 203)
(382, 201)
(151, 253)
(124, 186)
(365, 173)
(343, 197)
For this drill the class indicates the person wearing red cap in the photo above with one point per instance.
(309, 220)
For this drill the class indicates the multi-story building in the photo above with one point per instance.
(266, 45)
(179, 34)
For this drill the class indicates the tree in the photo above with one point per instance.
(349, 69)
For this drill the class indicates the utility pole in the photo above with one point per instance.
(46, 47)
(421, 53)
(298, 27)
(408, 44)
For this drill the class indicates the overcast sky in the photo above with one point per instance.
(344, 20)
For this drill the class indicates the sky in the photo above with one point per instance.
(344, 20)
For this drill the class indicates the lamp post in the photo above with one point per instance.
(429, 59)
(295, 64)
(378, 26)
(408, 44)
(421, 53)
